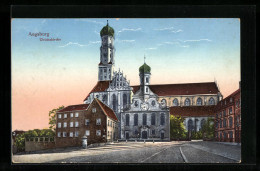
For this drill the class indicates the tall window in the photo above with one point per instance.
(98, 121)
(190, 125)
(162, 119)
(187, 102)
(86, 121)
(199, 101)
(127, 119)
(220, 124)
(135, 119)
(153, 119)
(224, 113)
(202, 122)
(104, 98)
(224, 123)
(144, 119)
(230, 122)
(147, 79)
(114, 102)
(211, 101)
(230, 110)
(175, 102)
(124, 100)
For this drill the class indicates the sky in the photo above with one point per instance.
(49, 74)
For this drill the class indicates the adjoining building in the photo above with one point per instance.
(96, 121)
(228, 119)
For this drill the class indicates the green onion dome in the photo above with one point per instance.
(145, 68)
(107, 30)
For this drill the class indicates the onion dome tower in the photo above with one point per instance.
(144, 75)
(107, 53)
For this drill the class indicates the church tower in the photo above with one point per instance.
(107, 53)
(144, 75)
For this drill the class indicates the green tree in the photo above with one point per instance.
(177, 129)
(208, 128)
(20, 142)
(52, 117)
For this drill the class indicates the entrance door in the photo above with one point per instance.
(162, 135)
(127, 135)
(144, 134)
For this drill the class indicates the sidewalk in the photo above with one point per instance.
(229, 143)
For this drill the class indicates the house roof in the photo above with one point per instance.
(182, 89)
(99, 87)
(74, 107)
(221, 104)
(187, 111)
(107, 110)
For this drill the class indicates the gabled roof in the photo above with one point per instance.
(99, 87)
(107, 110)
(192, 111)
(182, 89)
(74, 107)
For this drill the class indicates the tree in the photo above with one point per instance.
(208, 128)
(20, 142)
(52, 117)
(177, 129)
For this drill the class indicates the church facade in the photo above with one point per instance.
(144, 110)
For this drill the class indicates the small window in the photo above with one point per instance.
(76, 114)
(76, 124)
(153, 103)
(86, 121)
(71, 124)
(94, 110)
(98, 121)
(71, 134)
(59, 125)
(59, 134)
(98, 132)
(71, 115)
(65, 115)
(64, 134)
(153, 132)
(231, 100)
(146, 90)
(59, 116)
(65, 125)
(76, 133)
(87, 133)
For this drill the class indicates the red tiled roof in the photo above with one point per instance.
(74, 107)
(192, 110)
(227, 99)
(182, 89)
(107, 110)
(99, 87)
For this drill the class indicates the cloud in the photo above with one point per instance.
(80, 45)
(171, 29)
(90, 21)
(152, 48)
(129, 29)
(127, 41)
(198, 40)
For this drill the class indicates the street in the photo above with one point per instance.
(139, 152)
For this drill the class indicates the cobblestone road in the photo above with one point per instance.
(131, 152)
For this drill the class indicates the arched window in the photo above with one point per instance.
(163, 102)
(114, 102)
(153, 119)
(187, 102)
(124, 100)
(135, 119)
(127, 119)
(175, 102)
(153, 103)
(190, 125)
(162, 119)
(199, 101)
(202, 122)
(211, 101)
